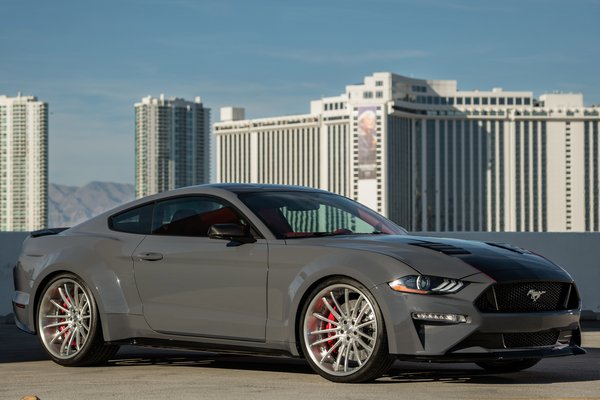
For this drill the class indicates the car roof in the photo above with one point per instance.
(258, 187)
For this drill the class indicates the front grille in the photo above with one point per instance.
(528, 297)
(530, 339)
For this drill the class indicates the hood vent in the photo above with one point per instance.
(442, 248)
(509, 247)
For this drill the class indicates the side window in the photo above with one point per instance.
(137, 220)
(192, 216)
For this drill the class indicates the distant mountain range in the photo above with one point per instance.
(70, 205)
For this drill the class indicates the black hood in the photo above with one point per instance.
(456, 258)
(500, 261)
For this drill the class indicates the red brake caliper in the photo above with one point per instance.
(64, 329)
(329, 325)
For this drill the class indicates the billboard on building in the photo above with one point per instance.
(367, 142)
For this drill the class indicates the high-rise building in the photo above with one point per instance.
(432, 157)
(23, 163)
(172, 144)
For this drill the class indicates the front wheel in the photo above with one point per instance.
(508, 365)
(342, 332)
(68, 323)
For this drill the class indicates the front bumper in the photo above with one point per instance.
(485, 336)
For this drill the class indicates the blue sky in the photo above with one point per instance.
(91, 61)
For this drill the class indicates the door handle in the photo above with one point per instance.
(150, 256)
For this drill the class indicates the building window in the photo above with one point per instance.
(519, 101)
(467, 101)
(379, 94)
(459, 100)
(510, 101)
(501, 101)
(484, 101)
(379, 83)
(476, 100)
(493, 101)
(367, 95)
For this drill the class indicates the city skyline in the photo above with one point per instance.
(90, 63)
(431, 157)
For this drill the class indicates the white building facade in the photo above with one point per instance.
(172, 144)
(23, 163)
(432, 157)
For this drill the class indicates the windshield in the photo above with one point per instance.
(308, 214)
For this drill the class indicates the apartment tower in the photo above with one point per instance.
(172, 144)
(23, 163)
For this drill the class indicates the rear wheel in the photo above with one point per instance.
(68, 323)
(508, 365)
(343, 333)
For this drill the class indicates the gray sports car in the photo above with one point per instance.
(291, 271)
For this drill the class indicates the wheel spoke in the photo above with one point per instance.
(335, 346)
(71, 302)
(364, 345)
(362, 312)
(347, 301)
(321, 331)
(325, 319)
(56, 336)
(331, 310)
(346, 358)
(64, 298)
(356, 354)
(327, 339)
(336, 365)
(55, 304)
(365, 335)
(54, 325)
(76, 295)
(337, 305)
(356, 306)
(66, 344)
(370, 322)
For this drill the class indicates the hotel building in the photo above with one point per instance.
(172, 144)
(431, 157)
(23, 163)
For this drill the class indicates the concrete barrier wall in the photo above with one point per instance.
(578, 253)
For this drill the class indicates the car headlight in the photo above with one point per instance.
(423, 284)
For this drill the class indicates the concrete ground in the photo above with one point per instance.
(142, 373)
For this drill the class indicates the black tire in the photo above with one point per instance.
(502, 366)
(348, 331)
(67, 312)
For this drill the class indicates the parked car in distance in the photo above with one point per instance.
(273, 269)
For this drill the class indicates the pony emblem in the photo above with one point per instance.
(535, 294)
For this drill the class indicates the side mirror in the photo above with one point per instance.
(234, 232)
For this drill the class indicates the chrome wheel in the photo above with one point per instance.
(340, 329)
(65, 318)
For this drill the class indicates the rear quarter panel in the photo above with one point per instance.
(102, 261)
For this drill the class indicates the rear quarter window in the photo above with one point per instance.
(137, 220)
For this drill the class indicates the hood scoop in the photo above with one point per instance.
(447, 249)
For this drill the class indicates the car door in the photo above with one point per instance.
(193, 285)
